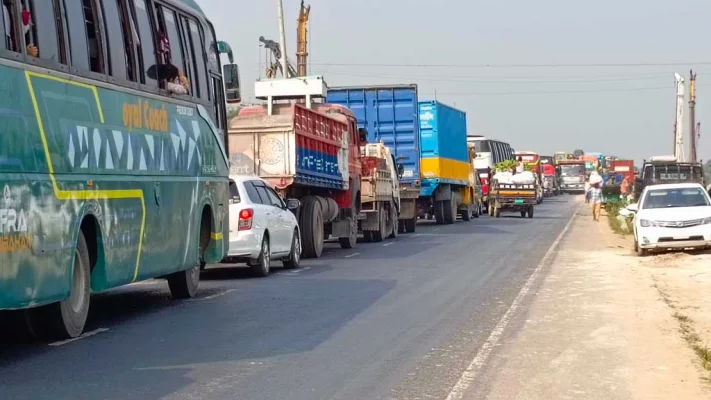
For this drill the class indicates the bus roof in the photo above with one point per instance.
(190, 3)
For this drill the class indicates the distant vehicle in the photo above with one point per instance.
(489, 152)
(263, 227)
(560, 155)
(532, 161)
(672, 216)
(666, 169)
(578, 153)
(571, 176)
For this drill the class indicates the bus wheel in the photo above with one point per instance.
(66, 319)
(184, 284)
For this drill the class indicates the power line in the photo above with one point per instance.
(557, 91)
(599, 65)
(507, 80)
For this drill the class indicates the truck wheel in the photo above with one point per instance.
(294, 258)
(530, 212)
(381, 233)
(466, 214)
(66, 319)
(350, 241)
(394, 223)
(410, 225)
(490, 209)
(450, 211)
(523, 214)
(262, 265)
(439, 212)
(497, 210)
(477, 213)
(311, 228)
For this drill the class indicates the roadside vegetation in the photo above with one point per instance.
(618, 225)
(687, 331)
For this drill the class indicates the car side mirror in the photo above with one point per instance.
(632, 208)
(400, 171)
(232, 86)
(293, 204)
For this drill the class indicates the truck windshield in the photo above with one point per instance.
(571, 170)
(669, 198)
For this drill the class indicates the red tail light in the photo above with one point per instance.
(245, 219)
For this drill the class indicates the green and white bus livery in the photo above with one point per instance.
(107, 177)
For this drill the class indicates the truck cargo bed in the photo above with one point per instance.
(297, 146)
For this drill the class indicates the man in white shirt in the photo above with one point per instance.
(519, 165)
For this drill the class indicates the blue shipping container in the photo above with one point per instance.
(388, 114)
(443, 131)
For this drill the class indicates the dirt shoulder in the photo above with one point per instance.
(600, 329)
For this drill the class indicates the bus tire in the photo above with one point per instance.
(311, 228)
(66, 319)
(184, 284)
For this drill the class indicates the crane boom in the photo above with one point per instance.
(301, 30)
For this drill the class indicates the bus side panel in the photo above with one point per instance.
(139, 166)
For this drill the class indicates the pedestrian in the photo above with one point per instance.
(596, 200)
(519, 165)
(625, 189)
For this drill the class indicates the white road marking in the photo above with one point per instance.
(470, 374)
(388, 244)
(435, 230)
(83, 336)
(352, 255)
(216, 295)
(417, 234)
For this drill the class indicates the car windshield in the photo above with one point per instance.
(571, 170)
(671, 198)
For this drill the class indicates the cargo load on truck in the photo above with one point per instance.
(446, 164)
(388, 114)
(513, 192)
(307, 151)
(380, 193)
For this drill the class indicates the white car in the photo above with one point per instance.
(672, 216)
(262, 226)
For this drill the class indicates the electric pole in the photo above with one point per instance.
(282, 40)
(679, 122)
(692, 115)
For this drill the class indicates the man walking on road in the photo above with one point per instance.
(596, 200)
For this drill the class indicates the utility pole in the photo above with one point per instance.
(679, 131)
(692, 114)
(282, 40)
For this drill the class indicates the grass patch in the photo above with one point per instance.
(613, 210)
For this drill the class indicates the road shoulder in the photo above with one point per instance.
(597, 329)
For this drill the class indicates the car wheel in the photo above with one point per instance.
(294, 258)
(260, 267)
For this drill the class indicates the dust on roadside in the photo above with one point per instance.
(597, 329)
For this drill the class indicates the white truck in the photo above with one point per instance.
(380, 193)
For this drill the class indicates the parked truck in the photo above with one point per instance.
(389, 115)
(307, 151)
(623, 167)
(667, 169)
(445, 164)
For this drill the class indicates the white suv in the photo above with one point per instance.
(672, 216)
(262, 227)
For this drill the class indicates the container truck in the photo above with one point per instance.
(307, 151)
(445, 163)
(623, 167)
(389, 115)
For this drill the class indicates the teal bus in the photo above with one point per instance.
(112, 153)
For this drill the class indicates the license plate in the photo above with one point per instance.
(519, 201)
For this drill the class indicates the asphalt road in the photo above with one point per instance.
(400, 319)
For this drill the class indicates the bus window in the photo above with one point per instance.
(9, 25)
(168, 24)
(93, 36)
(147, 57)
(198, 47)
(130, 41)
(219, 103)
(118, 59)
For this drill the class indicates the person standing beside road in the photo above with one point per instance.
(625, 189)
(596, 200)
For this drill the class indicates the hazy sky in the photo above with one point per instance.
(621, 110)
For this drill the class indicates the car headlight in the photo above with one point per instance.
(645, 223)
(706, 221)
